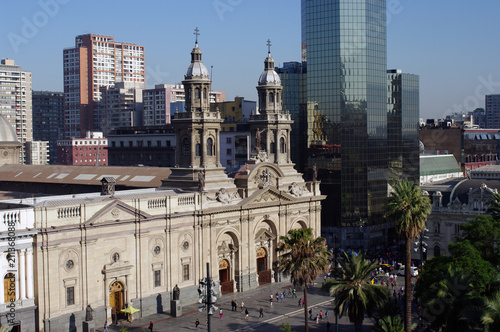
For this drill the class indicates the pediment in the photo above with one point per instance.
(116, 211)
(264, 235)
(268, 195)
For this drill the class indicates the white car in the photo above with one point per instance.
(413, 271)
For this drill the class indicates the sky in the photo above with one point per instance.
(451, 44)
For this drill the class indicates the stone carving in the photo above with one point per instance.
(265, 178)
(258, 138)
(315, 173)
(201, 180)
(88, 313)
(176, 293)
(296, 190)
(223, 196)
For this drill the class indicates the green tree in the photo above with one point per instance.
(450, 301)
(389, 324)
(409, 209)
(286, 327)
(303, 257)
(491, 315)
(494, 206)
(354, 293)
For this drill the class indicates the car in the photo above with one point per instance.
(413, 271)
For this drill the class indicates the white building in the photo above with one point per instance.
(37, 153)
(15, 97)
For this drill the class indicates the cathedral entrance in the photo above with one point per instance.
(262, 269)
(224, 277)
(117, 301)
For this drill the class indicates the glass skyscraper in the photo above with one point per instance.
(344, 56)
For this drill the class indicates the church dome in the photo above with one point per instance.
(196, 67)
(269, 76)
(7, 133)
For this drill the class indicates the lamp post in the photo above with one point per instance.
(208, 295)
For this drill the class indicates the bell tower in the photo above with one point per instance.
(271, 127)
(197, 132)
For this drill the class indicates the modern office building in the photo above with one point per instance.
(492, 103)
(344, 49)
(88, 151)
(96, 61)
(234, 112)
(144, 146)
(15, 105)
(120, 106)
(403, 109)
(48, 119)
(158, 101)
(37, 153)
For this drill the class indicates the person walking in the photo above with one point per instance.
(321, 315)
(246, 313)
(326, 315)
(300, 303)
(197, 323)
(261, 313)
(150, 326)
(105, 327)
(310, 314)
(271, 300)
(220, 313)
(317, 318)
(242, 305)
(328, 326)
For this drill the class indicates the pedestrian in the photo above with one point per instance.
(261, 313)
(321, 315)
(220, 313)
(326, 315)
(282, 298)
(271, 300)
(290, 291)
(327, 326)
(294, 293)
(197, 323)
(300, 303)
(105, 327)
(317, 318)
(151, 326)
(242, 305)
(310, 314)
(246, 313)
(303, 303)
(232, 305)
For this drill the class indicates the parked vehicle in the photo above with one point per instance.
(413, 271)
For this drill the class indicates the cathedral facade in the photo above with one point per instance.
(111, 250)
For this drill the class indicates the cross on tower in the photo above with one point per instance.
(269, 46)
(196, 33)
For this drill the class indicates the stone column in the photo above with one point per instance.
(22, 273)
(29, 267)
(18, 287)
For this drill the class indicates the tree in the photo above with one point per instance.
(494, 206)
(389, 324)
(451, 300)
(303, 257)
(409, 209)
(354, 293)
(491, 315)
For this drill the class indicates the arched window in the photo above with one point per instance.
(262, 100)
(437, 251)
(185, 147)
(271, 97)
(273, 147)
(205, 94)
(9, 287)
(282, 145)
(210, 146)
(198, 149)
(197, 93)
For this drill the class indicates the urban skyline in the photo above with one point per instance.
(424, 38)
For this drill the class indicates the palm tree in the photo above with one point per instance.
(491, 314)
(303, 258)
(389, 324)
(354, 293)
(409, 209)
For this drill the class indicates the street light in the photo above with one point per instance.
(208, 294)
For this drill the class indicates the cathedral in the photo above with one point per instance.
(115, 249)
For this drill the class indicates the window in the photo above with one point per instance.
(185, 147)
(271, 97)
(197, 93)
(282, 145)
(158, 144)
(457, 229)
(185, 272)
(122, 144)
(437, 228)
(229, 152)
(70, 295)
(273, 147)
(229, 162)
(113, 144)
(149, 144)
(130, 143)
(157, 278)
(437, 251)
(9, 287)
(198, 149)
(210, 144)
(228, 140)
(139, 143)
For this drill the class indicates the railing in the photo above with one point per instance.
(186, 200)
(69, 212)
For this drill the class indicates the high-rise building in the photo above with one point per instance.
(48, 119)
(492, 111)
(120, 106)
(15, 94)
(37, 153)
(403, 110)
(344, 48)
(158, 102)
(96, 61)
